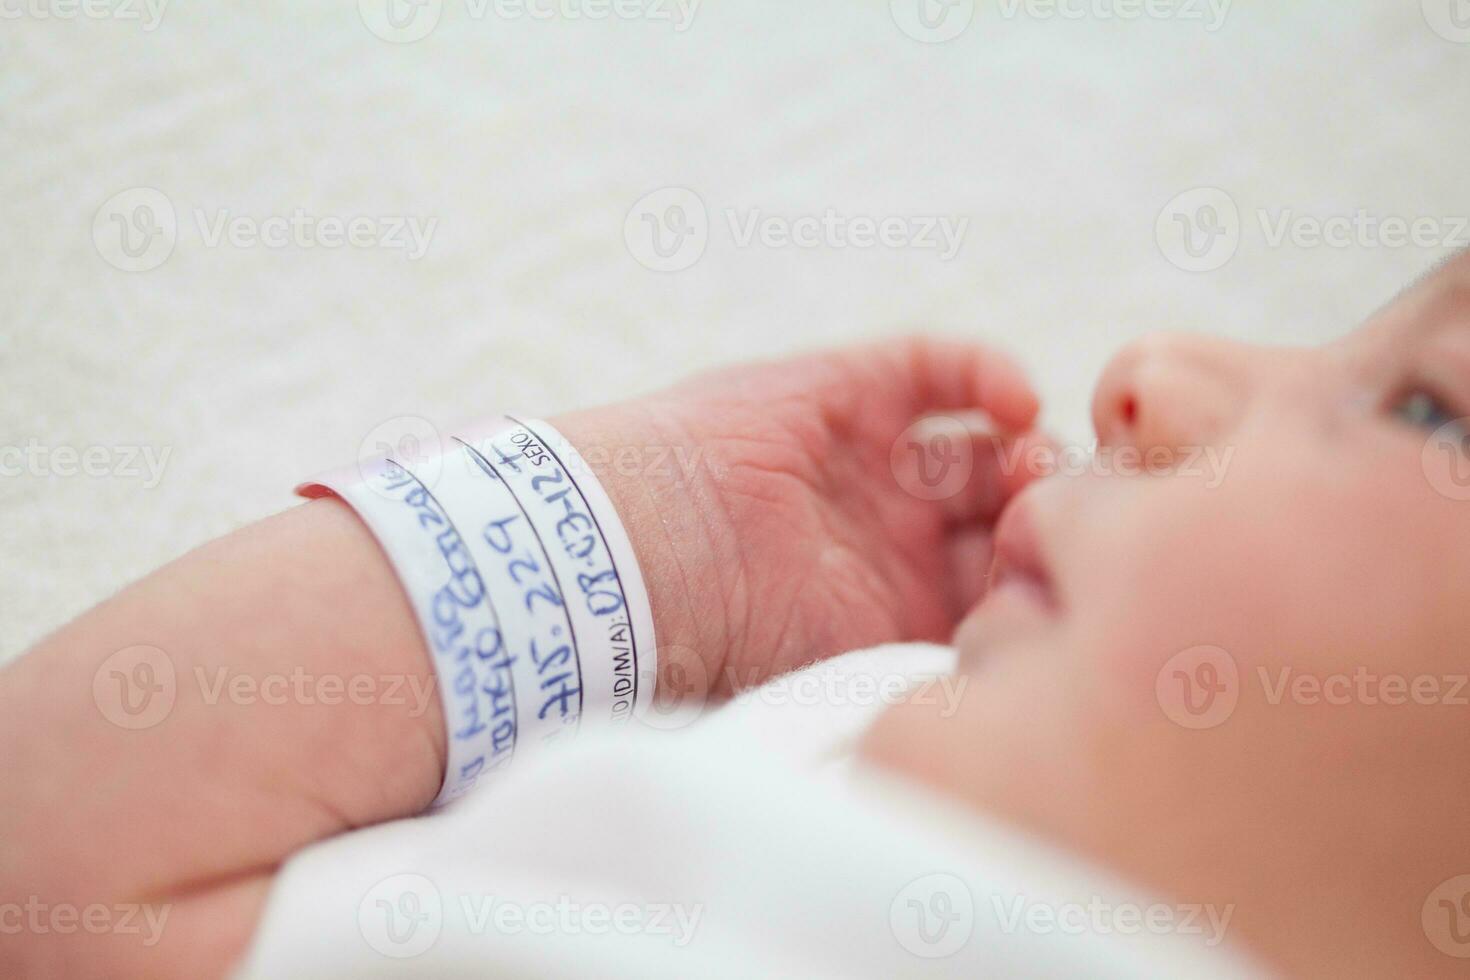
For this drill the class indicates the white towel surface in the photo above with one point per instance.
(528, 142)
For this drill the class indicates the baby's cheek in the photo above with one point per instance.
(1176, 618)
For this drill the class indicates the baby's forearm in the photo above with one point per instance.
(302, 702)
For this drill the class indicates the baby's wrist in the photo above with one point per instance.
(655, 476)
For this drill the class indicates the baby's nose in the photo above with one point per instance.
(1171, 390)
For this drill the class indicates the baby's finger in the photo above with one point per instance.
(1001, 466)
(970, 551)
(952, 375)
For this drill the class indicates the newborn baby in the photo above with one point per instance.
(1236, 692)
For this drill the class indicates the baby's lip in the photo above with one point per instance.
(1021, 559)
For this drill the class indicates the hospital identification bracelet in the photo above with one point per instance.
(524, 583)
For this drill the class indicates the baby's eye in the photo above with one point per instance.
(1426, 410)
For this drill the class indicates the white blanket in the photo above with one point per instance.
(745, 844)
(1060, 139)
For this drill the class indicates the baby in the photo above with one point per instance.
(1242, 693)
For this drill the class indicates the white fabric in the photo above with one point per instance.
(784, 861)
(1060, 139)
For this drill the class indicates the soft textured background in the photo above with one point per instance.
(529, 142)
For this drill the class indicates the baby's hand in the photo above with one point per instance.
(769, 507)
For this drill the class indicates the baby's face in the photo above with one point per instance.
(1256, 661)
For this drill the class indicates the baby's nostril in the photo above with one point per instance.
(1128, 410)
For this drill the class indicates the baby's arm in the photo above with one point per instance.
(789, 540)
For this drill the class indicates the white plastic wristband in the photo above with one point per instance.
(524, 582)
